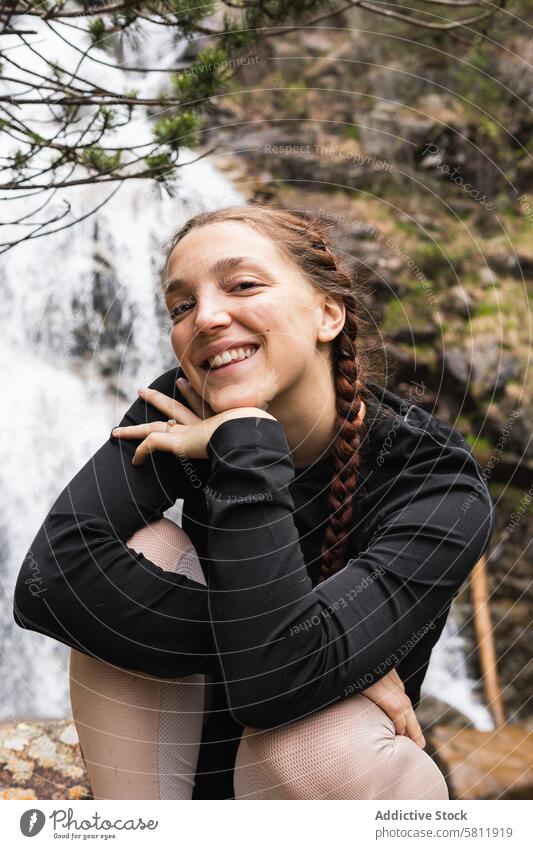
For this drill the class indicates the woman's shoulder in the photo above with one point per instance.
(401, 434)
(422, 483)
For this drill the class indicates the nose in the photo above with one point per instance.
(211, 311)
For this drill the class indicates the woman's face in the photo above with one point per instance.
(229, 287)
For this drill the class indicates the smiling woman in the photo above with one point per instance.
(295, 611)
(257, 296)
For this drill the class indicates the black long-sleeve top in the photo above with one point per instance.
(279, 644)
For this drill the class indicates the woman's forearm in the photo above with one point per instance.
(82, 585)
(100, 597)
(286, 648)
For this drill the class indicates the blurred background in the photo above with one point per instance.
(409, 129)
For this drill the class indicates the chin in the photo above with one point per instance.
(231, 397)
(230, 401)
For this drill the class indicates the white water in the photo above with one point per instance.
(59, 407)
(447, 678)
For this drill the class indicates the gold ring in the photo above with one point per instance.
(170, 422)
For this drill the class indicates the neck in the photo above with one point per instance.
(308, 416)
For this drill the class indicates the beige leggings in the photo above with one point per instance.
(140, 735)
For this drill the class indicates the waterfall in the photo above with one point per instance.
(83, 327)
(72, 362)
(447, 677)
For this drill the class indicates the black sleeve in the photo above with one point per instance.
(288, 648)
(82, 585)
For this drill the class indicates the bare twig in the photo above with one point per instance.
(82, 112)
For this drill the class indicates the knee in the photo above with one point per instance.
(169, 547)
(415, 775)
(348, 751)
(318, 756)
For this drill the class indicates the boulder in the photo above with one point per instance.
(482, 372)
(41, 760)
(485, 764)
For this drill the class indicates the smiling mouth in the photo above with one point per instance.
(227, 366)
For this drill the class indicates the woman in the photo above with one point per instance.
(275, 644)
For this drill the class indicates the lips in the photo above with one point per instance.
(207, 367)
(229, 366)
(224, 345)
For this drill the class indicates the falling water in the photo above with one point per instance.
(447, 677)
(83, 326)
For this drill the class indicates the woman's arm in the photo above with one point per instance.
(96, 594)
(286, 648)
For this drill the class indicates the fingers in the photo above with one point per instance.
(171, 408)
(155, 436)
(405, 721)
(395, 679)
(412, 726)
(397, 712)
(139, 431)
(155, 441)
(413, 729)
(389, 693)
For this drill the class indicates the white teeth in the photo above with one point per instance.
(230, 355)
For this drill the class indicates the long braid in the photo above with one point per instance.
(345, 451)
(350, 392)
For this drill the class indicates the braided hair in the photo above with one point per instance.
(303, 239)
(349, 392)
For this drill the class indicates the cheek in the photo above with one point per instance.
(257, 316)
(272, 320)
(286, 331)
(180, 341)
(289, 331)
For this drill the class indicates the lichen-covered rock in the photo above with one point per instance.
(41, 760)
(485, 764)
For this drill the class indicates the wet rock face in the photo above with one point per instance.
(41, 760)
(483, 372)
(485, 764)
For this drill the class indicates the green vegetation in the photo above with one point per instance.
(408, 311)
(436, 259)
(353, 132)
(101, 162)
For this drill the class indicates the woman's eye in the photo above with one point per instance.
(175, 312)
(181, 309)
(247, 283)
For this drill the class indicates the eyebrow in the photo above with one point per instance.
(225, 264)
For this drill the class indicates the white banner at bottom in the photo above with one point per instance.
(231, 825)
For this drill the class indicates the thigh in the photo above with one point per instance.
(347, 751)
(139, 735)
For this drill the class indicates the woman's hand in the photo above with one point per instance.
(389, 693)
(192, 431)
